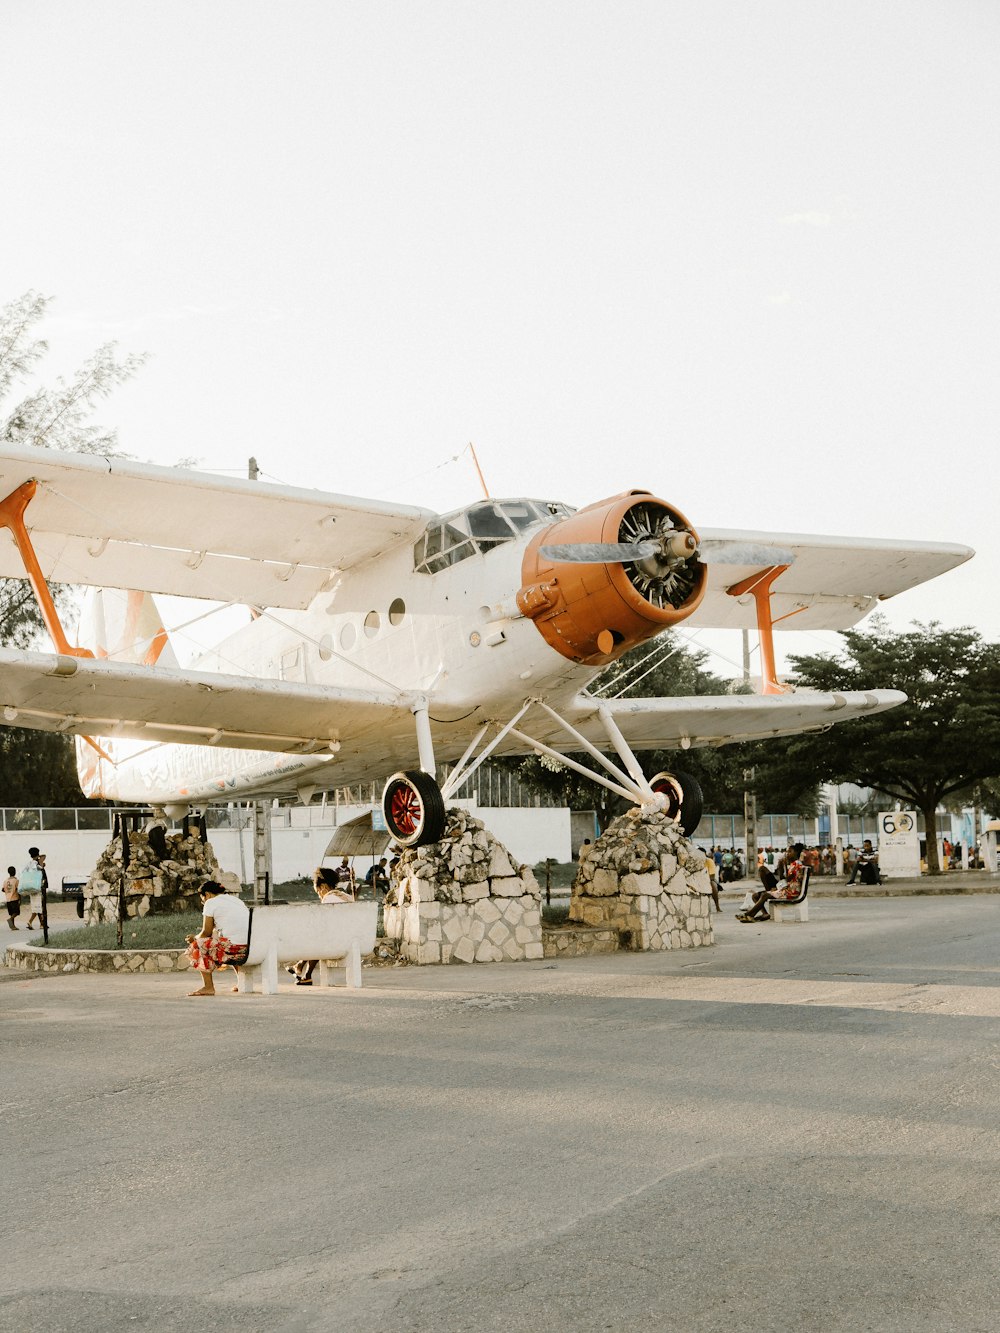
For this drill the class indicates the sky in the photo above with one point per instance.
(742, 253)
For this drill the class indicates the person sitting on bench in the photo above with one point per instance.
(328, 890)
(782, 883)
(866, 866)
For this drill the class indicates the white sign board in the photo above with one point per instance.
(898, 843)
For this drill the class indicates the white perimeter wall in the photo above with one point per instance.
(530, 835)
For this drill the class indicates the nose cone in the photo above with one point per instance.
(593, 612)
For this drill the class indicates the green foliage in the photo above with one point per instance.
(39, 768)
(946, 737)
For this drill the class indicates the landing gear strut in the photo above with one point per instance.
(413, 808)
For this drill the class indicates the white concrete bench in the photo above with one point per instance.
(778, 907)
(335, 933)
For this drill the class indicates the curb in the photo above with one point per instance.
(37, 958)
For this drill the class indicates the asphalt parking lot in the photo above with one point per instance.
(794, 1130)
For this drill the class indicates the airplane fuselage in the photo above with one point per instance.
(455, 635)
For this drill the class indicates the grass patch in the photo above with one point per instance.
(555, 914)
(142, 932)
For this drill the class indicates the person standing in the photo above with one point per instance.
(32, 879)
(12, 894)
(714, 883)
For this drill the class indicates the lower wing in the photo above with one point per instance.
(695, 720)
(98, 697)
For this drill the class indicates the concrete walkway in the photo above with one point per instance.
(794, 1130)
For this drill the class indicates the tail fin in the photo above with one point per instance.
(125, 626)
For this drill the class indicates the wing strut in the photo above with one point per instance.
(759, 587)
(631, 783)
(12, 517)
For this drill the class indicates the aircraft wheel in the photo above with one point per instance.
(684, 799)
(413, 809)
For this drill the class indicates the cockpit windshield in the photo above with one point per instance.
(480, 527)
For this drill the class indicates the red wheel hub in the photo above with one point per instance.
(406, 809)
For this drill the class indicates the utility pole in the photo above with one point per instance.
(261, 809)
(749, 795)
(261, 851)
(750, 822)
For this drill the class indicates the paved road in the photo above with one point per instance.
(795, 1130)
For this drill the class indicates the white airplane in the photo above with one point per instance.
(385, 640)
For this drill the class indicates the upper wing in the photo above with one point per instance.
(118, 524)
(832, 583)
(672, 723)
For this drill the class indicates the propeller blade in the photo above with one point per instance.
(716, 551)
(600, 553)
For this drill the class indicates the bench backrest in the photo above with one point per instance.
(803, 887)
(312, 930)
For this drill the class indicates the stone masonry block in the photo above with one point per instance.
(700, 882)
(506, 888)
(453, 928)
(634, 886)
(464, 951)
(668, 866)
(605, 883)
(500, 866)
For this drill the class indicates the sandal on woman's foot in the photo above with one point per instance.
(303, 981)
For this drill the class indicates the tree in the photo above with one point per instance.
(944, 738)
(56, 418)
(35, 766)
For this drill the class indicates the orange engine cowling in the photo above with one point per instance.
(592, 613)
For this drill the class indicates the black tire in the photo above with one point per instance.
(413, 808)
(684, 799)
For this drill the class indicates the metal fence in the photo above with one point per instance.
(780, 830)
(490, 787)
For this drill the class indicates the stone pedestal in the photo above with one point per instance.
(644, 879)
(462, 900)
(154, 883)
